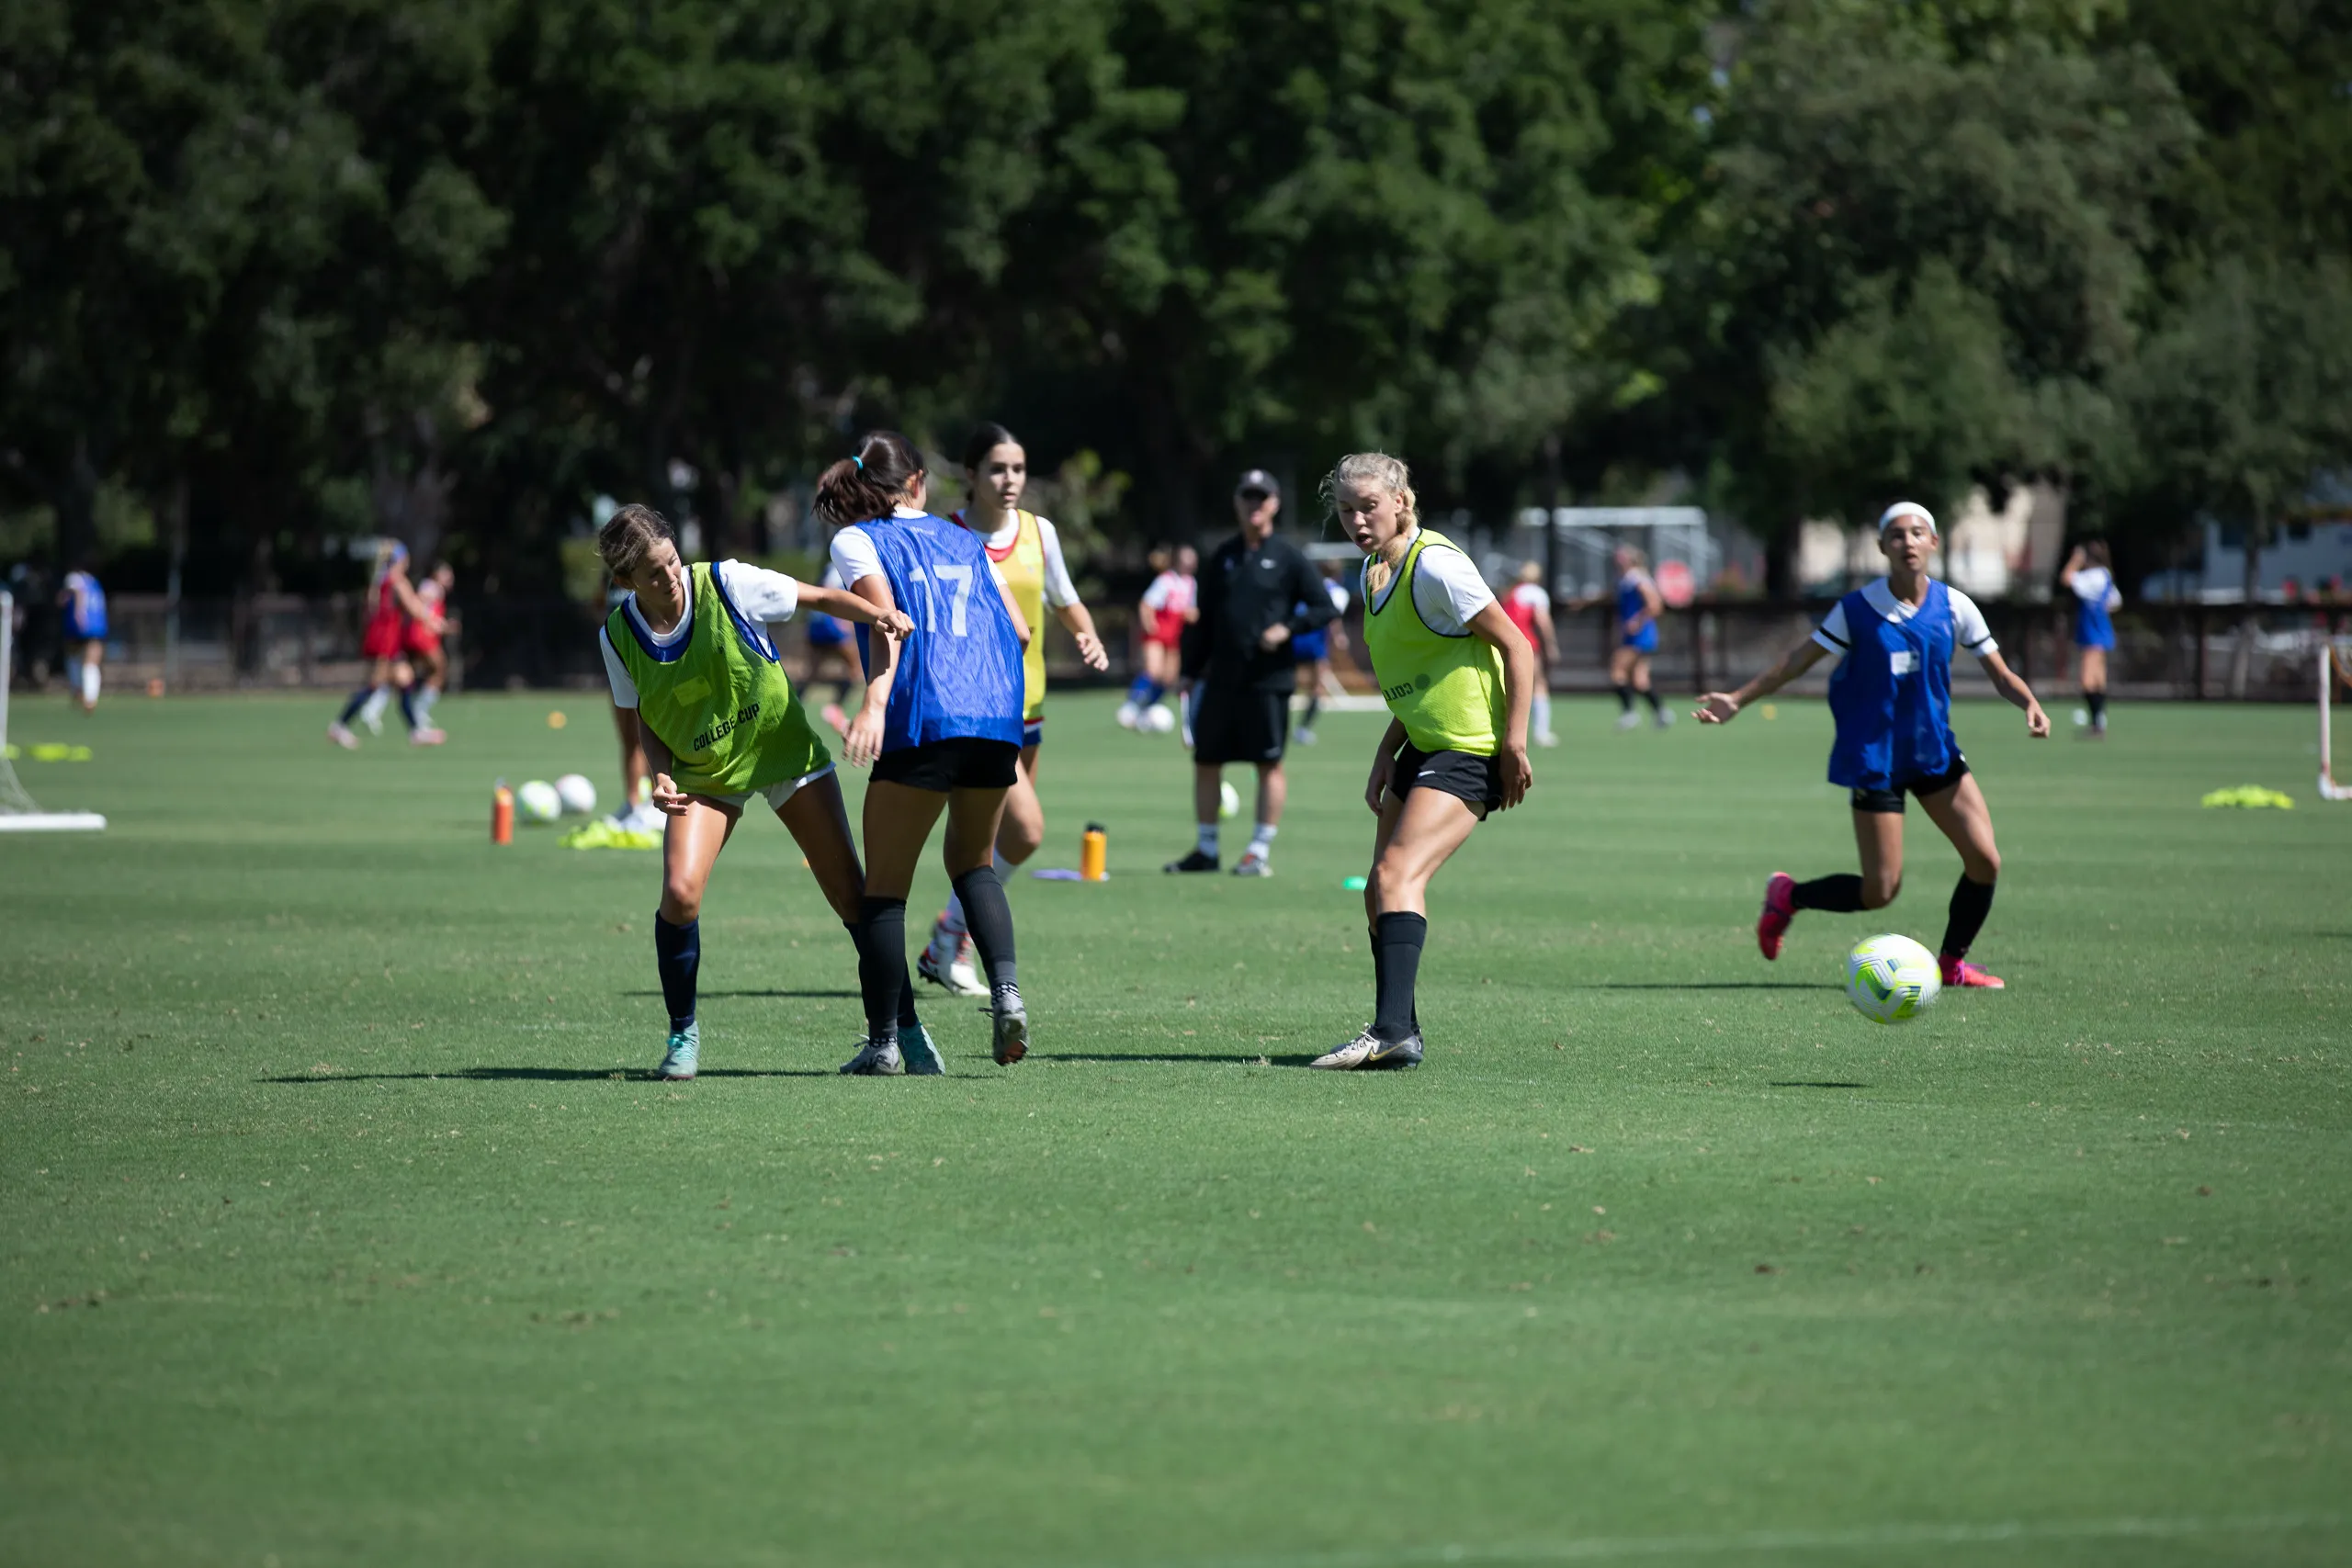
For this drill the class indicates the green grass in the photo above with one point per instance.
(338, 1224)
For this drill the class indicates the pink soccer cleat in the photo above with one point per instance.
(1779, 908)
(1961, 971)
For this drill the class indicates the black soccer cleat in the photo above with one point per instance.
(1196, 861)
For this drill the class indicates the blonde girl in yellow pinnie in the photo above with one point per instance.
(1458, 678)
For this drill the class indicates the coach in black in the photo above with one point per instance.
(1256, 594)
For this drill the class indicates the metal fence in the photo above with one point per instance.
(2185, 652)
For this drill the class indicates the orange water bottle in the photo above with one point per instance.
(502, 814)
(1093, 853)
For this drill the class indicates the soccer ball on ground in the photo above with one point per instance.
(537, 802)
(1892, 979)
(579, 796)
(1128, 714)
(1159, 718)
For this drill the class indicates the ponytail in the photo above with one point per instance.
(869, 485)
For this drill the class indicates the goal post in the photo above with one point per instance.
(18, 811)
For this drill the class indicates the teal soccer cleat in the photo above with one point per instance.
(921, 1054)
(678, 1063)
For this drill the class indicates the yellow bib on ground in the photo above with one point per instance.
(1446, 691)
(1025, 574)
(719, 701)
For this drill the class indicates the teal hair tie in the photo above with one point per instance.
(858, 461)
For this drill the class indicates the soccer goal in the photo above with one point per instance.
(18, 812)
(2335, 671)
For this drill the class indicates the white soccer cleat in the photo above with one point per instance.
(1627, 719)
(957, 977)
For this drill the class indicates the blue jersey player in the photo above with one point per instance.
(940, 723)
(1891, 698)
(2089, 576)
(1637, 608)
(84, 604)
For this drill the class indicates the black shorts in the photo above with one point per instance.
(1476, 782)
(1889, 802)
(1242, 725)
(966, 761)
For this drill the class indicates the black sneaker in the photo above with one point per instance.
(1196, 861)
(1406, 1053)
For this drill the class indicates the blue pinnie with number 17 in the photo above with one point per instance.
(960, 674)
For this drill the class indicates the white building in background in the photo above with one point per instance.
(2008, 554)
(2313, 553)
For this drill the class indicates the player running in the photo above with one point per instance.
(1530, 609)
(940, 724)
(2090, 577)
(1638, 606)
(691, 651)
(421, 640)
(1891, 699)
(393, 602)
(86, 622)
(1457, 677)
(1027, 554)
(1167, 608)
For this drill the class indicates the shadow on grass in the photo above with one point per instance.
(1251, 1059)
(548, 1075)
(820, 996)
(1813, 1083)
(1701, 986)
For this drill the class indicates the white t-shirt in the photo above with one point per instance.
(767, 597)
(855, 558)
(1968, 628)
(2095, 585)
(1169, 591)
(1447, 590)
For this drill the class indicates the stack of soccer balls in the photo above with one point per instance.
(1157, 720)
(540, 801)
(1892, 979)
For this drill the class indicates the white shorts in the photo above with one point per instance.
(776, 793)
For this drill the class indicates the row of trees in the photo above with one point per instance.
(275, 273)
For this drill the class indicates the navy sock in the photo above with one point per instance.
(408, 705)
(1397, 941)
(1140, 691)
(1840, 895)
(1314, 706)
(988, 916)
(358, 700)
(1650, 697)
(677, 954)
(2097, 703)
(1625, 698)
(881, 934)
(1971, 902)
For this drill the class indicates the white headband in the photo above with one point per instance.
(1907, 509)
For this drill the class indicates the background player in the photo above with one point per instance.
(691, 651)
(1891, 699)
(1311, 650)
(2089, 576)
(831, 662)
(392, 604)
(1530, 609)
(1257, 592)
(421, 640)
(84, 604)
(1166, 609)
(940, 722)
(1458, 677)
(1027, 554)
(1638, 605)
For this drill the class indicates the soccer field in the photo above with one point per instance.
(340, 1223)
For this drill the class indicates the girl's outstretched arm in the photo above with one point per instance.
(2011, 686)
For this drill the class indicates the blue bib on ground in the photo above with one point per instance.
(960, 674)
(1891, 696)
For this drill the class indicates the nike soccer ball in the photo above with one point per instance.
(1892, 979)
(1159, 718)
(537, 802)
(579, 796)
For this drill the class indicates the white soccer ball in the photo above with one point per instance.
(1127, 715)
(1892, 979)
(579, 796)
(1159, 718)
(1228, 800)
(537, 802)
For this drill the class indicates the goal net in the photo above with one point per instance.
(18, 811)
(2335, 690)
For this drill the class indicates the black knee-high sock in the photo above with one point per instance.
(881, 936)
(1840, 894)
(1397, 941)
(1379, 962)
(1625, 698)
(408, 705)
(1314, 706)
(907, 1018)
(358, 700)
(1971, 902)
(1650, 697)
(988, 916)
(677, 955)
(2097, 703)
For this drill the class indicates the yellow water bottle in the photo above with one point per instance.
(1093, 853)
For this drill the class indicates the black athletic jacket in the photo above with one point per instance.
(1243, 591)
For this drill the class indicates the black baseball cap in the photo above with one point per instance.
(1257, 481)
